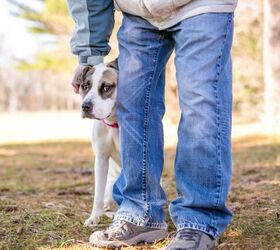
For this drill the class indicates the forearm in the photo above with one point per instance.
(94, 23)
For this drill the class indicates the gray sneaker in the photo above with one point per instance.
(190, 239)
(124, 233)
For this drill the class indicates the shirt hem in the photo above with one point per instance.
(177, 17)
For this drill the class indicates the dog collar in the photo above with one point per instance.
(114, 125)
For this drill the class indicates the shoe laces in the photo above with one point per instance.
(188, 234)
(118, 229)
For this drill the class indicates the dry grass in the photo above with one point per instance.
(45, 195)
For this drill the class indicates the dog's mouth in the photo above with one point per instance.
(92, 116)
(89, 116)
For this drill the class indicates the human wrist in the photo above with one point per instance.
(90, 60)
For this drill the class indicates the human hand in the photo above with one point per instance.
(76, 82)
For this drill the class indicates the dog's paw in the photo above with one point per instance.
(110, 214)
(110, 206)
(92, 221)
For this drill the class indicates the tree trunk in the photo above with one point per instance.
(271, 62)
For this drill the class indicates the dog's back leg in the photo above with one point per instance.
(113, 174)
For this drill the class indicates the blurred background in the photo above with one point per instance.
(36, 68)
(45, 154)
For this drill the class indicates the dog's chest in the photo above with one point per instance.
(105, 139)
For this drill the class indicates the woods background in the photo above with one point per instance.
(43, 82)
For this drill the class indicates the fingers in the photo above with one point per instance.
(76, 88)
(76, 82)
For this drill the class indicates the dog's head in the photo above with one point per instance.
(98, 90)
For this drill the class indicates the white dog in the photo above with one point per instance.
(98, 90)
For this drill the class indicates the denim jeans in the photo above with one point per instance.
(202, 166)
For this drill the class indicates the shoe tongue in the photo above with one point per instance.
(114, 229)
(114, 225)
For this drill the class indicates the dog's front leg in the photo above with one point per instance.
(100, 177)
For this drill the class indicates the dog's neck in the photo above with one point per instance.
(111, 121)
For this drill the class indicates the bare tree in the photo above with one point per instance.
(272, 61)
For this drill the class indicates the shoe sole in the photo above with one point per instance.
(147, 237)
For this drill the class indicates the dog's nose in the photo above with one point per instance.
(87, 107)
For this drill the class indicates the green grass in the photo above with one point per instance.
(46, 195)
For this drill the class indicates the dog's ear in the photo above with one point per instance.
(113, 64)
(87, 70)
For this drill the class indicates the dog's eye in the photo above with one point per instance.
(85, 87)
(106, 88)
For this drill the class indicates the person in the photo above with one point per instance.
(200, 32)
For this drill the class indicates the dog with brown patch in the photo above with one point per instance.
(98, 88)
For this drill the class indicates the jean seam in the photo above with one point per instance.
(218, 140)
(138, 222)
(145, 137)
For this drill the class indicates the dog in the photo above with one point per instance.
(98, 89)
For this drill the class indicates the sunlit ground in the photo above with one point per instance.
(46, 183)
(29, 127)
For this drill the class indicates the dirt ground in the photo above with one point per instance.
(46, 195)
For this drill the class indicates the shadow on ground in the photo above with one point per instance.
(46, 194)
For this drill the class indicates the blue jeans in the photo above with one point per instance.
(203, 158)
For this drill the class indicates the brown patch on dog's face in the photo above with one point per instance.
(86, 80)
(113, 64)
(107, 84)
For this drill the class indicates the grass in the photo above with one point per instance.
(46, 195)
